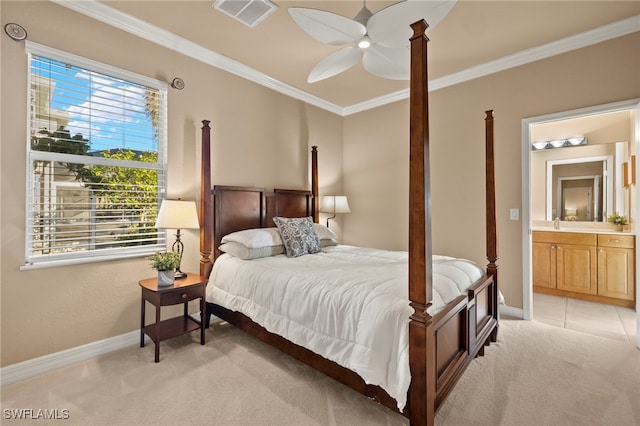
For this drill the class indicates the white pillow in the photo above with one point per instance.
(324, 233)
(328, 242)
(243, 252)
(255, 238)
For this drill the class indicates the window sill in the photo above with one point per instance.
(69, 262)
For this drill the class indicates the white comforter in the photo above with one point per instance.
(348, 304)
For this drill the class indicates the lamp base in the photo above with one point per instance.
(179, 274)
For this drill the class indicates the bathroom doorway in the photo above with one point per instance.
(534, 210)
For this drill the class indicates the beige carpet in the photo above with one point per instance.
(537, 374)
(534, 375)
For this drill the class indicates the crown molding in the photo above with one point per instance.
(379, 101)
(162, 37)
(567, 44)
(143, 29)
(587, 38)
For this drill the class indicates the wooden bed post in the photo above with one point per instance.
(314, 184)
(206, 203)
(492, 233)
(421, 335)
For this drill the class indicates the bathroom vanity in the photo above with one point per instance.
(590, 265)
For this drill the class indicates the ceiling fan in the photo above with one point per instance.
(379, 39)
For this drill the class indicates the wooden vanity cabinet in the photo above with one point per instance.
(598, 267)
(576, 268)
(565, 261)
(616, 266)
(544, 264)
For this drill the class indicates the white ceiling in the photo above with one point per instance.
(474, 39)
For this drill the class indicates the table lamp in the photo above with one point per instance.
(334, 204)
(178, 214)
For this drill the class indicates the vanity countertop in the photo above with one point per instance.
(581, 230)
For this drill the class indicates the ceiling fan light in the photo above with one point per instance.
(364, 42)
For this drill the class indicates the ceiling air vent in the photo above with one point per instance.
(249, 12)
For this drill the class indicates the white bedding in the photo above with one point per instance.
(348, 304)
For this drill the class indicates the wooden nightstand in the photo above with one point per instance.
(182, 291)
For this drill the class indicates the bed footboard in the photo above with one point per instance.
(451, 346)
(461, 331)
(483, 316)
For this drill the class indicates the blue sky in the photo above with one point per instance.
(109, 112)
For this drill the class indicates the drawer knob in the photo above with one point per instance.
(184, 295)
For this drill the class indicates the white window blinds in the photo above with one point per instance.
(96, 168)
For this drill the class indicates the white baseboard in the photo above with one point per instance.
(33, 367)
(511, 311)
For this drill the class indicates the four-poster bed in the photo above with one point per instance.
(442, 344)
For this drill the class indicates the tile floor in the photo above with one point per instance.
(613, 322)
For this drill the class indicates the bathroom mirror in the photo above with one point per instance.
(580, 189)
(581, 182)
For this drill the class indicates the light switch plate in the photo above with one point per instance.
(514, 214)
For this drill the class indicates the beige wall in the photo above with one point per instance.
(376, 177)
(376, 152)
(259, 137)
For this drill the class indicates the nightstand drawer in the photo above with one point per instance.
(181, 295)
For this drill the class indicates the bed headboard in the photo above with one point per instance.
(236, 208)
(226, 209)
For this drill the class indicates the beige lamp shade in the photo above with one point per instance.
(335, 204)
(177, 214)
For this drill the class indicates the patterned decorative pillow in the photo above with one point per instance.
(298, 235)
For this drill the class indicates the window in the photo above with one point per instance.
(96, 157)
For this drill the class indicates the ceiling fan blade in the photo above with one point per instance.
(327, 27)
(390, 27)
(335, 63)
(388, 62)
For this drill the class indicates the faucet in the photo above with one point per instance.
(556, 223)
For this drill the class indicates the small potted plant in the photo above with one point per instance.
(618, 220)
(165, 263)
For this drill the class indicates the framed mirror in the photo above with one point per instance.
(580, 189)
(596, 165)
